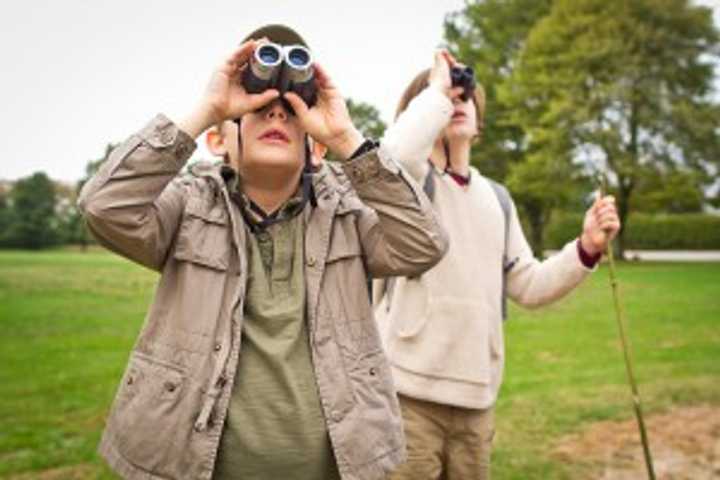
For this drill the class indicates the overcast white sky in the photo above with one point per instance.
(79, 74)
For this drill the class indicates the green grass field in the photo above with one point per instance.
(69, 320)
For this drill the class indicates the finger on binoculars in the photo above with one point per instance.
(259, 100)
(241, 54)
(440, 55)
(455, 92)
(322, 77)
(297, 103)
(450, 58)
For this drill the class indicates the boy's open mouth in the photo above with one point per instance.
(275, 134)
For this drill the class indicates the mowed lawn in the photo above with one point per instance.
(69, 320)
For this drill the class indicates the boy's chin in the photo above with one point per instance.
(459, 135)
(276, 162)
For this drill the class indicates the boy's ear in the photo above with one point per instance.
(215, 142)
(318, 151)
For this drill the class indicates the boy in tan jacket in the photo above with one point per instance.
(259, 357)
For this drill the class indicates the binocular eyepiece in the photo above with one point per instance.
(463, 77)
(285, 68)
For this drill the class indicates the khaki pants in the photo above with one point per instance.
(445, 442)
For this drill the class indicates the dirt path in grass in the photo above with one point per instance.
(685, 445)
(74, 472)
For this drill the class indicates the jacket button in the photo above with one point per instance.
(166, 137)
(336, 416)
(373, 371)
(170, 387)
(217, 347)
(311, 261)
(130, 380)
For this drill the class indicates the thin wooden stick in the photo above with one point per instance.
(620, 316)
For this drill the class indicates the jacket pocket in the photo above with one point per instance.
(205, 236)
(453, 342)
(377, 401)
(148, 420)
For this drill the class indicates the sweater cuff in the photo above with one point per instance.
(588, 261)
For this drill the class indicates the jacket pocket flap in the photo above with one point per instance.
(349, 203)
(212, 214)
(343, 245)
(204, 237)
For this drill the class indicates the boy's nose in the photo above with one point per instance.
(276, 110)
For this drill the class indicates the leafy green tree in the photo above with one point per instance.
(32, 219)
(674, 191)
(626, 85)
(76, 227)
(5, 219)
(367, 119)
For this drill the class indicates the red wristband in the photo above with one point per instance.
(588, 260)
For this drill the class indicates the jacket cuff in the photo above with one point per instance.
(163, 135)
(369, 166)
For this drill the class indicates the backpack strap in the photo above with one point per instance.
(505, 201)
(429, 183)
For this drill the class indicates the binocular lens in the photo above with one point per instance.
(463, 77)
(298, 57)
(269, 54)
(469, 74)
(285, 68)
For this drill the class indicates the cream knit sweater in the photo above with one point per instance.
(443, 331)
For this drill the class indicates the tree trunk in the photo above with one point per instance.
(623, 207)
(537, 222)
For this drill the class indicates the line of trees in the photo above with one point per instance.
(37, 212)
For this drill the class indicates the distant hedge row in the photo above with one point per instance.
(647, 232)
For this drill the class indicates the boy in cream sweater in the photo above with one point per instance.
(443, 330)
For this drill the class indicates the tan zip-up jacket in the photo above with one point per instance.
(167, 417)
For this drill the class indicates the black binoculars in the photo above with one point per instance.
(463, 77)
(285, 68)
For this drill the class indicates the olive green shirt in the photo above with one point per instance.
(275, 427)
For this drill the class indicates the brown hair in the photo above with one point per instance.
(421, 82)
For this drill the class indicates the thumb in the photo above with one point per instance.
(455, 92)
(441, 65)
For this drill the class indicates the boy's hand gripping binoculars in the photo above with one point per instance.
(285, 68)
(463, 77)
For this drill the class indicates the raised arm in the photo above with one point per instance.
(134, 203)
(398, 229)
(410, 139)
